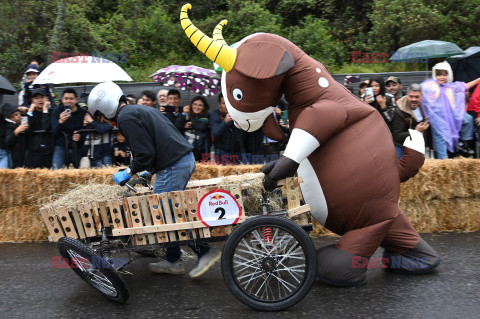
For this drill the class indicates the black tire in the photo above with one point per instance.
(111, 286)
(271, 260)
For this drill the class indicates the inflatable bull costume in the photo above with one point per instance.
(340, 146)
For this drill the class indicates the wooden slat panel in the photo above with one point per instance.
(115, 213)
(191, 203)
(126, 213)
(78, 223)
(167, 213)
(53, 225)
(298, 211)
(101, 208)
(85, 211)
(96, 217)
(157, 216)
(236, 191)
(147, 217)
(136, 218)
(179, 212)
(200, 193)
(158, 228)
(67, 223)
(293, 198)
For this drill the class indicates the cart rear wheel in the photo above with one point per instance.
(269, 263)
(93, 269)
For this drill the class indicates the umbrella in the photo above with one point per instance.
(427, 49)
(82, 69)
(191, 78)
(467, 69)
(6, 87)
(468, 52)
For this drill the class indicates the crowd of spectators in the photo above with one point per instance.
(439, 107)
(41, 132)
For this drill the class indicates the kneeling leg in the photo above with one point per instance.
(406, 251)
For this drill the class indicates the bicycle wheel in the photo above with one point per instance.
(93, 269)
(269, 263)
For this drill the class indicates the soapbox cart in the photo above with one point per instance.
(268, 260)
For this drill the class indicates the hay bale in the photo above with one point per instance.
(20, 224)
(443, 196)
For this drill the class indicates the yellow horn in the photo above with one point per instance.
(215, 49)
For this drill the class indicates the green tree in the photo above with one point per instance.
(314, 36)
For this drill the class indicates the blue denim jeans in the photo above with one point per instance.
(175, 178)
(399, 150)
(439, 145)
(5, 159)
(466, 134)
(104, 161)
(59, 159)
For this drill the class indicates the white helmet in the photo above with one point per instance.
(104, 98)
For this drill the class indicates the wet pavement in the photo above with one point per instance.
(31, 288)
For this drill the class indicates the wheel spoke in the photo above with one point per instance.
(86, 267)
(272, 271)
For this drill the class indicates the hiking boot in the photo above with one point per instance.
(205, 262)
(165, 267)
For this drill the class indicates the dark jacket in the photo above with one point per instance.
(226, 136)
(7, 109)
(388, 112)
(401, 122)
(199, 133)
(3, 145)
(16, 144)
(65, 130)
(40, 128)
(154, 141)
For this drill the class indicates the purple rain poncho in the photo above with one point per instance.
(445, 106)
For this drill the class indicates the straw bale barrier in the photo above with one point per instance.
(444, 196)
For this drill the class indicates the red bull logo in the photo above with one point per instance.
(217, 199)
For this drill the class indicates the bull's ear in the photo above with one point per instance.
(263, 60)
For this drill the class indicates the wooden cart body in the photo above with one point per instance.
(150, 220)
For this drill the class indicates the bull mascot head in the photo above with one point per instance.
(252, 75)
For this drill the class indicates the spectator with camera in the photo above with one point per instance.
(15, 135)
(195, 125)
(382, 101)
(40, 144)
(67, 120)
(409, 115)
(162, 99)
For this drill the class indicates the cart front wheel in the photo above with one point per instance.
(93, 269)
(269, 263)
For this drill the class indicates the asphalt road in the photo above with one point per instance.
(31, 288)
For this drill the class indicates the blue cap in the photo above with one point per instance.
(32, 68)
